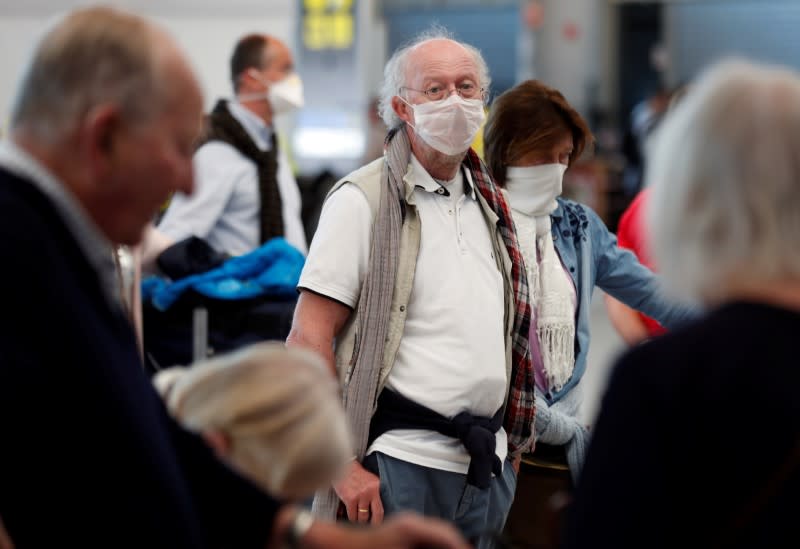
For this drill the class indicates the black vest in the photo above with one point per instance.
(222, 126)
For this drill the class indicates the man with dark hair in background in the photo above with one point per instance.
(245, 191)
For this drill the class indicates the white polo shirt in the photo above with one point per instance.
(452, 354)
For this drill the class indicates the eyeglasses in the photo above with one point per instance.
(467, 90)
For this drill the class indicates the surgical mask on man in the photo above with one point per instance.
(284, 95)
(448, 125)
(533, 189)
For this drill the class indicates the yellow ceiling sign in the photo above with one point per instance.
(328, 24)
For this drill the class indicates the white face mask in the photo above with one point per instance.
(284, 95)
(533, 189)
(448, 125)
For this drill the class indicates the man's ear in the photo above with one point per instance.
(402, 109)
(101, 131)
(253, 78)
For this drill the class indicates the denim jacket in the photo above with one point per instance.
(589, 252)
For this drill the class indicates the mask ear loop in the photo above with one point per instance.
(253, 73)
(412, 110)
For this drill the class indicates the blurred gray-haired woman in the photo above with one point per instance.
(699, 430)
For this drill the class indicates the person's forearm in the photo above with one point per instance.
(323, 348)
(626, 321)
(280, 526)
(317, 320)
(321, 533)
(403, 531)
(328, 535)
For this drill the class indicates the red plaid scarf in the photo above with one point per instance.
(520, 408)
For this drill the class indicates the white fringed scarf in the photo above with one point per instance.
(552, 291)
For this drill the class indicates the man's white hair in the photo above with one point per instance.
(725, 168)
(91, 56)
(394, 74)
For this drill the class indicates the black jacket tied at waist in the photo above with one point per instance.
(477, 434)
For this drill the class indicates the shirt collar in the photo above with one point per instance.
(558, 213)
(97, 249)
(256, 128)
(469, 185)
(424, 180)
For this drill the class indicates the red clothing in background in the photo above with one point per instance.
(632, 234)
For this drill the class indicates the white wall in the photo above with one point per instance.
(209, 43)
(206, 29)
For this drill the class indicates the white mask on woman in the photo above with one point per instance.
(449, 125)
(533, 189)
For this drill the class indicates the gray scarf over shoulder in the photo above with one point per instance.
(374, 305)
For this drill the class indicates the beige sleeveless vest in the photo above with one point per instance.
(368, 179)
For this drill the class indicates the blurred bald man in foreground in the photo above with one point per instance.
(102, 132)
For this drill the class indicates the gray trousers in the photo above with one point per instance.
(477, 513)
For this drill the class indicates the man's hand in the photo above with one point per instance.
(360, 491)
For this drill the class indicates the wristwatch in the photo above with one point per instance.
(301, 523)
